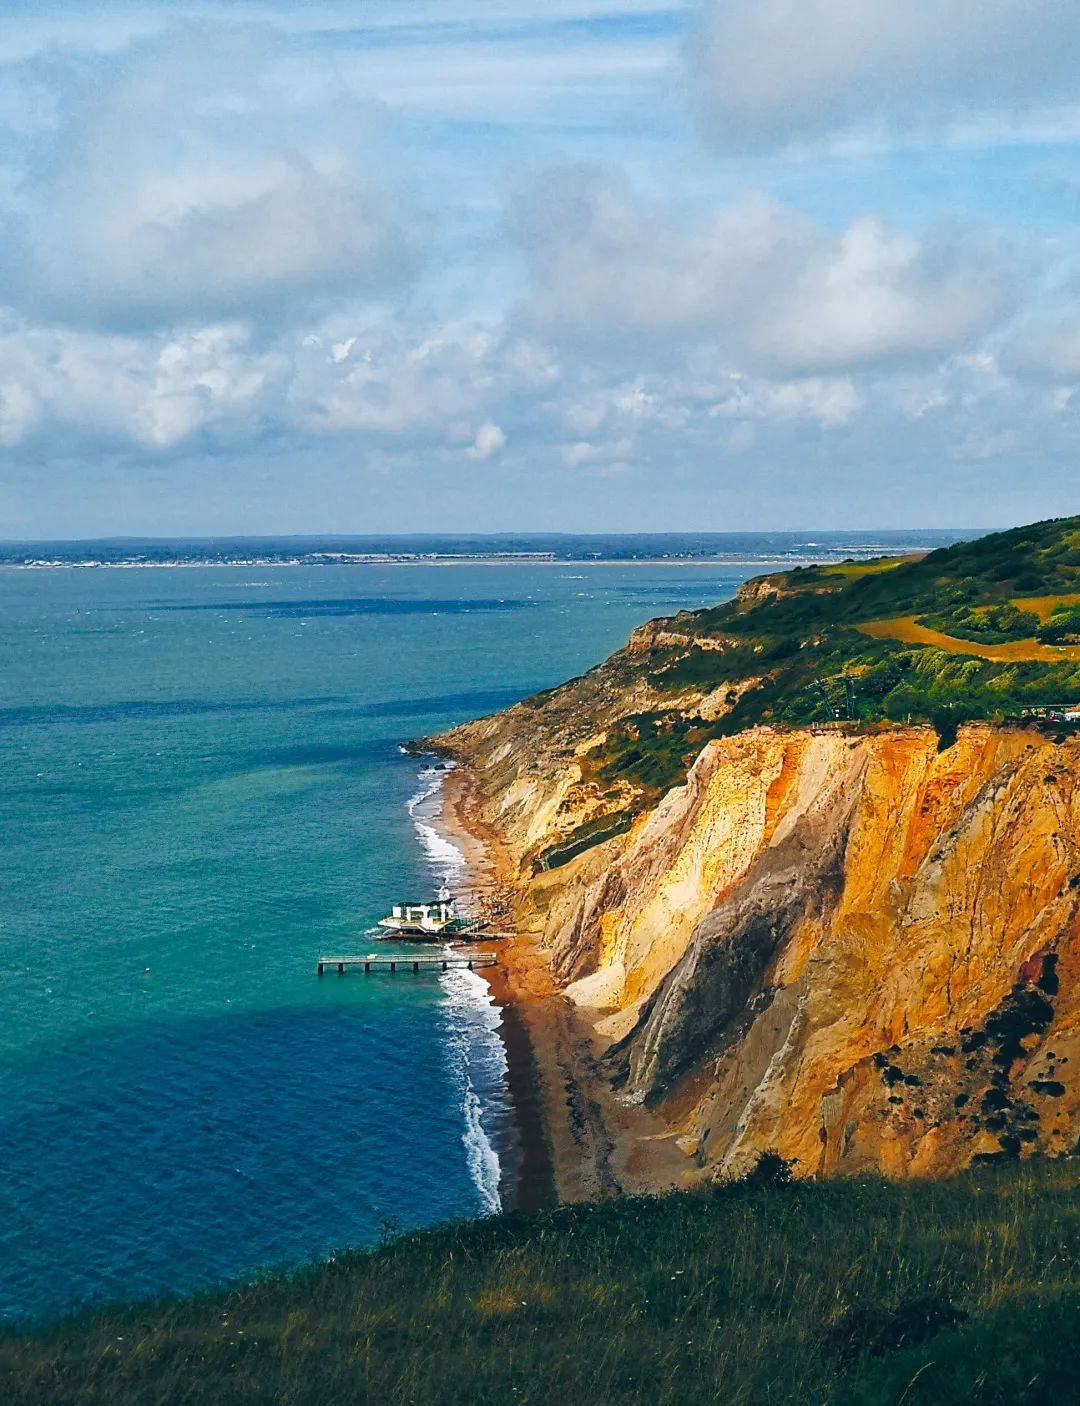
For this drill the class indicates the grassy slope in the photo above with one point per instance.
(853, 1292)
(813, 661)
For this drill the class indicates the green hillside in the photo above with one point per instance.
(988, 629)
(1034, 560)
(856, 1292)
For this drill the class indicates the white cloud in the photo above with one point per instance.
(784, 71)
(830, 402)
(583, 452)
(450, 398)
(155, 392)
(490, 438)
(452, 384)
(741, 439)
(396, 380)
(765, 284)
(183, 181)
(918, 401)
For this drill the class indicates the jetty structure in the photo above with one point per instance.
(432, 922)
(437, 962)
(425, 922)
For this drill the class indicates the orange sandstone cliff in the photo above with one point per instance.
(852, 946)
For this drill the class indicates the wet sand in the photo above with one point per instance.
(529, 1183)
(578, 1142)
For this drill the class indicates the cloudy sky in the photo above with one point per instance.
(401, 265)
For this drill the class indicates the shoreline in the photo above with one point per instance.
(528, 1183)
(577, 1141)
(765, 563)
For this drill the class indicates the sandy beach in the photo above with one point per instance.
(578, 1141)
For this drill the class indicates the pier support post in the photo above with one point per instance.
(416, 966)
(320, 968)
(341, 968)
(367, 968)
(393, 966)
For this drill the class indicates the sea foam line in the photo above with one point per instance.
(478, 1062)
(445, 860)
(478, 1065)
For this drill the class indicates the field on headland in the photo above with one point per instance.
(858, 1292)
(907, 629)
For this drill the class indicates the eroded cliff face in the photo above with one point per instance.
(849, 947)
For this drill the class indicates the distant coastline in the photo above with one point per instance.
(733, 549)
(737, 562)
(314, 559)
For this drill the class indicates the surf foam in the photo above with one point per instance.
(445, 860)
(477, 1057)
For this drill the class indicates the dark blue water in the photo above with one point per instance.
(200, 789)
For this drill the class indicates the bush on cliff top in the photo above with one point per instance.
(966, 1291)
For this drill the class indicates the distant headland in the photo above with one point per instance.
(721, 548)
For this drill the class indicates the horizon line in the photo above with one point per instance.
(486, 534)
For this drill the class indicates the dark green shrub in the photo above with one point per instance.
(871, 1330)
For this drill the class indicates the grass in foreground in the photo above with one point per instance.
(856, 1292)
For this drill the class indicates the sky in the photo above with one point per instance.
(596, 265)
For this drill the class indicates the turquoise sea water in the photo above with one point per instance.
(200, 788)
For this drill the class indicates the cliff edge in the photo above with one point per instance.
(853, 940)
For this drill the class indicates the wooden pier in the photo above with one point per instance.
(443, 961)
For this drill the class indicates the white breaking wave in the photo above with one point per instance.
(446, 861)
(473, 1044)
(482, 1159)
(478, 1065)
(478, 1069)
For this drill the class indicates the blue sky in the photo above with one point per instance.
(595, 265)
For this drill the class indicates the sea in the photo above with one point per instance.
(202, 788)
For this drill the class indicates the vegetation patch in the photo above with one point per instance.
(651, 750)
(1049, 1088)
(1023, 1012)
(853, 569)
(911, 630)
(1045, 606)
(988, 624)
(871, 1330)
(1062, 627)
(593, 832)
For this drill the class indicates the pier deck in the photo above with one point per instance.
(442, 961)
